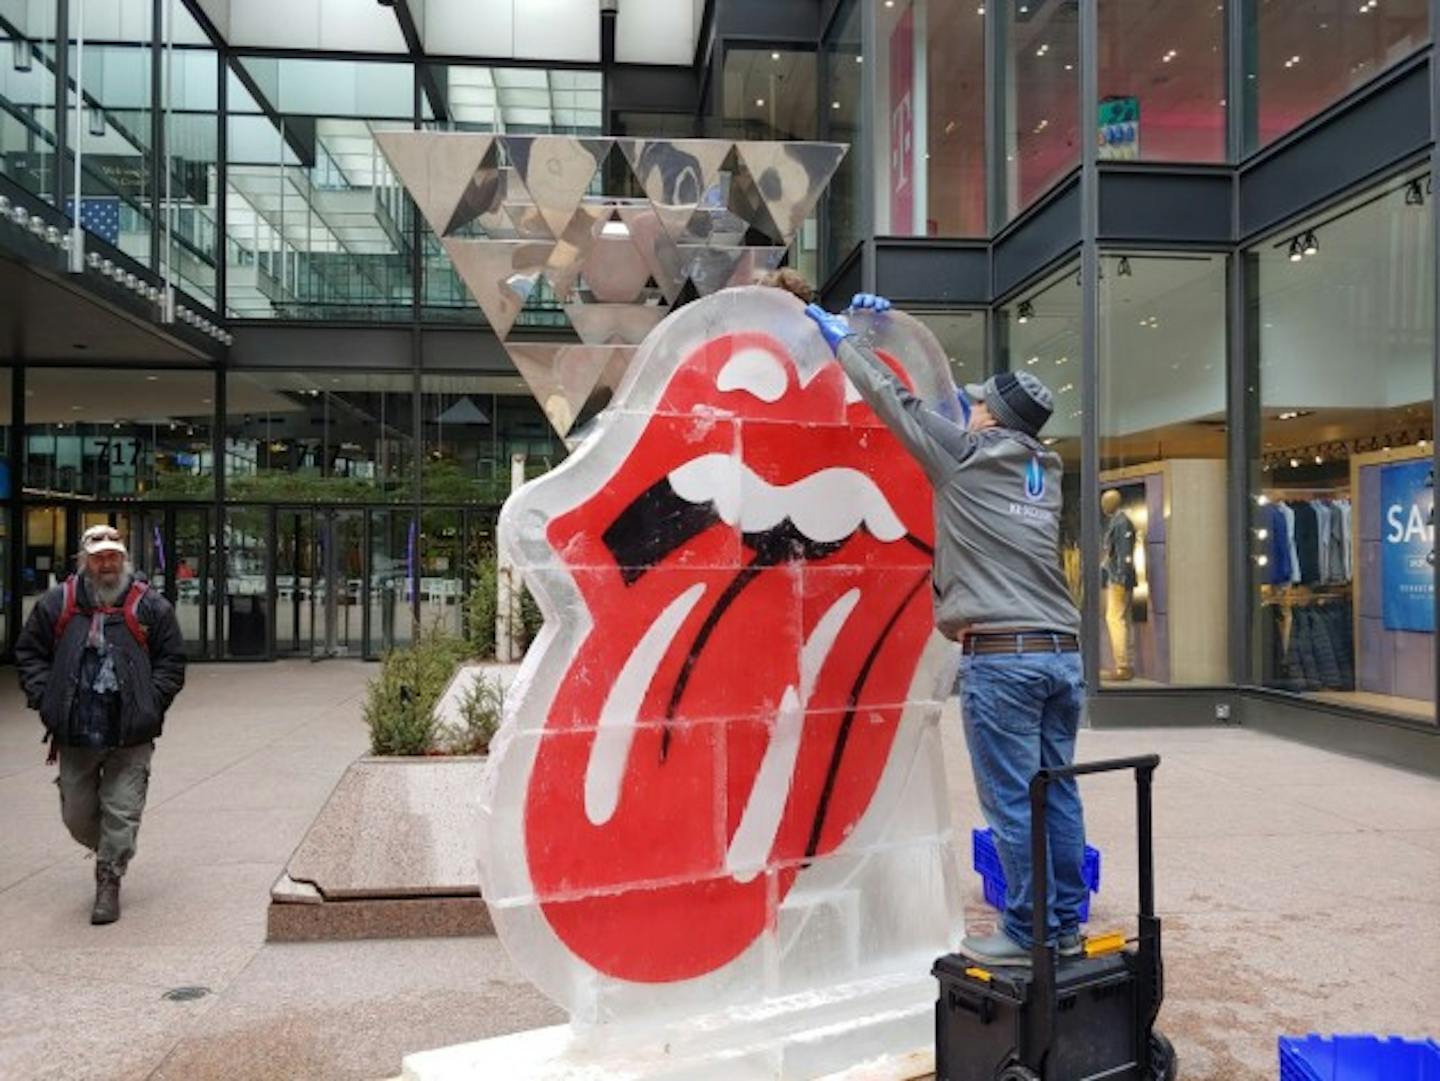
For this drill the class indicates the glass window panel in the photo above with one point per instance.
(473, 425)
(191, 199)
(319, 437)
(840, 122)
(119, 433)
(1307, 55)
(27, 96)
(929, 71)
(769, 94)
(1341, 527)
(962, 334)
(316, 222)
(118, 177)
(1041, 88)
(1162, 81)
(1039, 332)
(7, 493)
(1163, 553)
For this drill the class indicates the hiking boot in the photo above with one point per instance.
(107, 894)
(996, 950)
(1071, 944)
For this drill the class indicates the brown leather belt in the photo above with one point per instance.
(979, 645)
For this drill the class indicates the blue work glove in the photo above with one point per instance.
(869, 301)
(832, 328)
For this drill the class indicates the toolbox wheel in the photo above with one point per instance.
(1017, 1073)
(1163, 1064)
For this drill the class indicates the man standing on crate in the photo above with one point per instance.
(101, 658)
(999, 591)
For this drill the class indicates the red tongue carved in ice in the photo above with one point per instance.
(758, 593)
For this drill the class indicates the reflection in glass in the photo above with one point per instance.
(27, 97)
(929, 119)
(119, 433)
(769, 94)
(473, 425)
(1341, 526)
(301, 437)
(1041, 86)
(1163, 553)
(1162, 81)
(1309, 55)
(842, 64)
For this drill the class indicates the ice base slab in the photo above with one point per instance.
(874, 1030)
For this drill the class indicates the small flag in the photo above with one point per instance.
(99, 214)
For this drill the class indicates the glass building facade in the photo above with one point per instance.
(311, 461)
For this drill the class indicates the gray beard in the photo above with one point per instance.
(107, 590)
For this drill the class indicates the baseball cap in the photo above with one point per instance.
(101, 538)
(1016, 400)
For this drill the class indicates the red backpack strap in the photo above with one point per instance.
(132, 613)
(67, 609)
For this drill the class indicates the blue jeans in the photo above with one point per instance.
(1022, 712)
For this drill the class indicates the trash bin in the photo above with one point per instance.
(248, 626)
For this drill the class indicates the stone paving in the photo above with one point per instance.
(1301, 891)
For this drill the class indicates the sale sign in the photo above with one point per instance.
(1407, 573)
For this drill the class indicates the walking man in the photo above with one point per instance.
(1000, 592)
(101, 658)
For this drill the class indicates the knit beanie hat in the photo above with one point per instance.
(1017, 401)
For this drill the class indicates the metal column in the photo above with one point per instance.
(1090, 339)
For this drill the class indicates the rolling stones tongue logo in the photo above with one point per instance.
(756, 575)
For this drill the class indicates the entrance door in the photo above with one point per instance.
(338, 575)
(294, 580)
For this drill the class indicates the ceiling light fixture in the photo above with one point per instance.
(23, 58)
(97, 122)
(1311, 243)
(1296, 253)
(1025, 313)
(775, 56)
(1414, 195)
(1125, 271)
(760, 103)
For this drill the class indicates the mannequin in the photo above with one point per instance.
(1118, 580)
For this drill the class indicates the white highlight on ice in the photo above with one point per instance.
(616, 728)
(755, 371)
(755, 836)
(827, 506)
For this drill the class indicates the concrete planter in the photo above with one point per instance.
(391, 855)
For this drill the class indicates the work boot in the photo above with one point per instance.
(996, 950)
(107, 894)
(1071, 944)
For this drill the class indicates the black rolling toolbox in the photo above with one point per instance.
(1080, 1019)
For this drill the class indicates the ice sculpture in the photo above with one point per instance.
(718, 790)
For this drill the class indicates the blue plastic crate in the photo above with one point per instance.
(986, 860)
(1358, 1058)
(995, 896)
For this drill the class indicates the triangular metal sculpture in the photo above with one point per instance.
(790, 178)
(516, 211)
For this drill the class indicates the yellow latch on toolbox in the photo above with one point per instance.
(1100, 945)
(978, 974)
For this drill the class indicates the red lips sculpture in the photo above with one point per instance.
(734, 570)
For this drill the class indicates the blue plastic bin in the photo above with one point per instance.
(1358, 1058)
(986, 860)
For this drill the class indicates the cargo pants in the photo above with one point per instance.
(102, 795)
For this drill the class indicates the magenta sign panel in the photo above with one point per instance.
(902, 125)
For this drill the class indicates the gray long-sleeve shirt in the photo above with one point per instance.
(997, 511)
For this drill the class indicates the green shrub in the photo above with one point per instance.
(481, 710)
(400, 701)
(482, 604)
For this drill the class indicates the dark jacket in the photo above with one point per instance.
(150, 678)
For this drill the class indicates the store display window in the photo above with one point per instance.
(1163, 563)
(1342, 519)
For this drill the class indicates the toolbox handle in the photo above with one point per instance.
(1144, 767)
